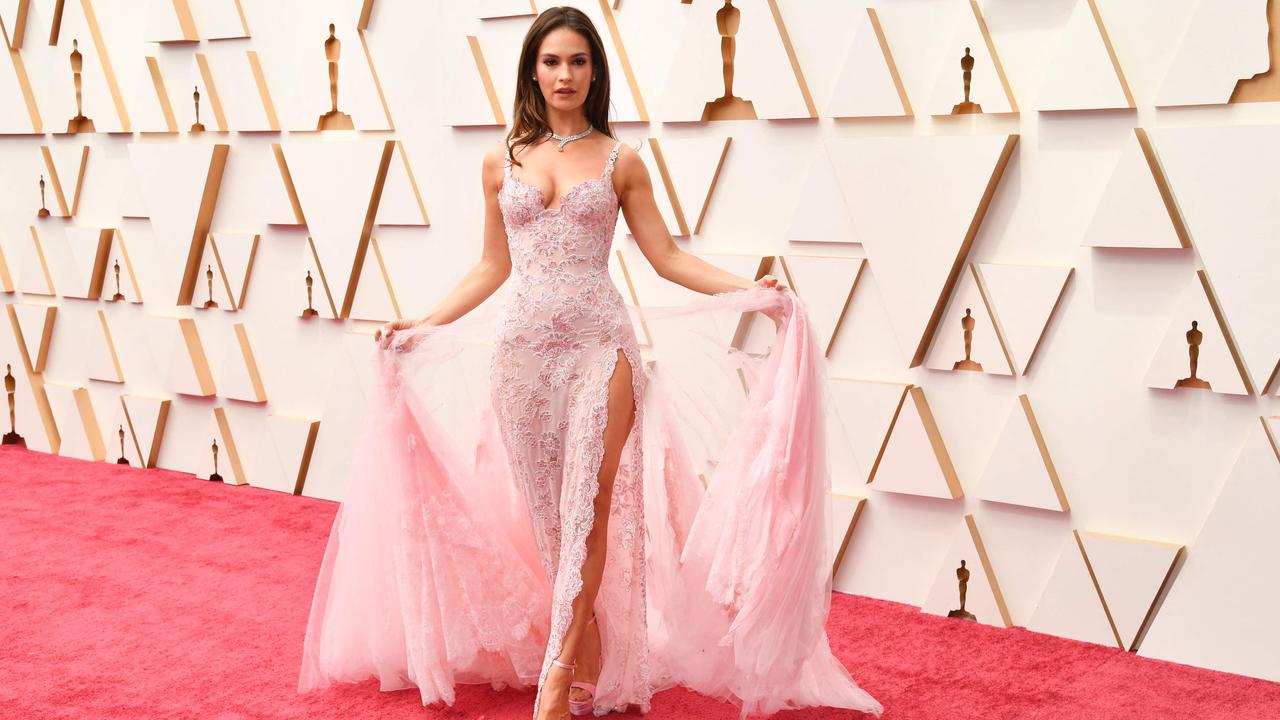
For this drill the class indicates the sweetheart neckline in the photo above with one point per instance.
(542, 196)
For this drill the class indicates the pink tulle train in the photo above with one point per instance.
(431, 575)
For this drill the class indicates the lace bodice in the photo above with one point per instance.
(560, 261)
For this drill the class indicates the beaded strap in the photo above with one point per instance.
(608, 167)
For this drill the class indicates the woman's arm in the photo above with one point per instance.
(635, 195)
(488, 274)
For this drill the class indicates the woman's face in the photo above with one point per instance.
(564, 69)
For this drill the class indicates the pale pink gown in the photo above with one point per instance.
(451, 564)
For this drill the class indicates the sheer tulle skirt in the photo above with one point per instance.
(433, 576)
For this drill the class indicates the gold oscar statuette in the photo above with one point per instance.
(310, 312)
(334, 119)
(44, 211)
(10, 390)
(962, 574)
(209, 276)
(118, 296)
(198, 126)
(123, 460)
(966, 107)
(968, 363)
(215, 477)
(79, 123)
(1195, 336)
(728, 106)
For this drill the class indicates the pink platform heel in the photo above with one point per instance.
(579, 708)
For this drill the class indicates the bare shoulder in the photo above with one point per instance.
(495, 156)
(629, 169)
(492, 164)
(629, 161)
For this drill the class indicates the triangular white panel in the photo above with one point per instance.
(117, 420)
(150, 104)
(301, 59)
(14, 14)
(233, 465)
(1070, 606)
(36, 277)
(1225, 179)
(58, 102)
(128, 284)
(83, 248)
(35, 325)
(1220, 611)
(844, 510)
(28, 421)
(191, 430)
(1131, 213)
(292, 441)
(864, 411)
(55, 250)
(211, 283)
(1225, 42)
(401, 203)
(470, 85)
(7, 284)
(1019, 471)
(914, 460)
(335, 182)
(163, 23)
(187, 371)
(986, 348)
(1023, 298)
(101, 360)
(821, 214)
(375, 298)
(982, 597)
(865, 86)
(219, 19)
(173, 179)
(1131, 573)
(763, 74)
(77, 421)
(826, 285)
(65, 166)
(914, 220)
(236, 370)
(15, 115)
(693, 165)
(184, 100)
(235, 254)
(148, 417)
(985, 87)
(1172, 361)
(1081, 75)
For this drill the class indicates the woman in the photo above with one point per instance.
(635, 603)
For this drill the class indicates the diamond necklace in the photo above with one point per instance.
(566, 139)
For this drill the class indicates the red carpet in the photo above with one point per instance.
(148, 594)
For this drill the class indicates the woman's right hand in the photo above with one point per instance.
(383, 335)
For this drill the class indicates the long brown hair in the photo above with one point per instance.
(529, 115)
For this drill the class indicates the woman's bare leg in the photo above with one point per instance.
(580, 636)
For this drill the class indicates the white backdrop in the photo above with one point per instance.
(1089, 497)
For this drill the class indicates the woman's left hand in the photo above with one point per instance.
(776, 314)
(771, 282)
